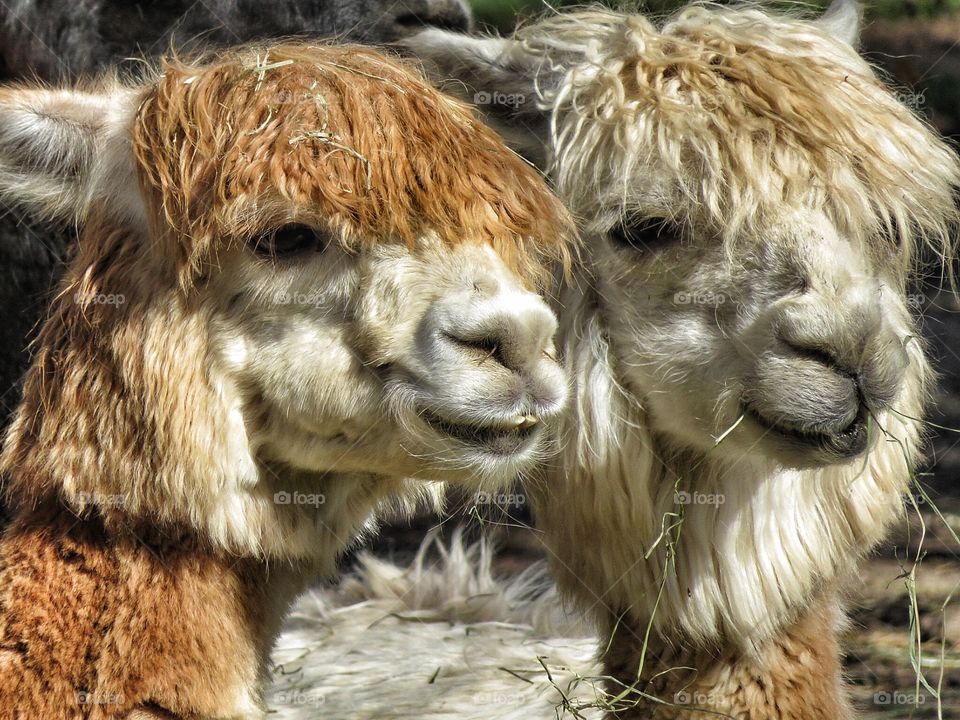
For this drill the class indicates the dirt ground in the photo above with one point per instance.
(882, 652)
(879, 659)
(880, 646)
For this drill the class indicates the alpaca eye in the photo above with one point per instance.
(288, 240)
(646, 234)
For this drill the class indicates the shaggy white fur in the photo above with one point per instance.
(748, 384)
(440, 641)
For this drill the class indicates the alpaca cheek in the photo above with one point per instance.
(393, 295)
(315, 379)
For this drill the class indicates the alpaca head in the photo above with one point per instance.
(294, 262)
(754, 199)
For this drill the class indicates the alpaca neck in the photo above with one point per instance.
(800, 676)
(146, 616)
(750, 547)
(321, 515)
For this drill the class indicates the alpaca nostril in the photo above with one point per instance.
(876, 383)
(517, 340)
(823, 356)
(482, 349)
(491, 324)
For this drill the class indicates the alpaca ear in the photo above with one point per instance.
(499, 76)
(61, 150)
(842, 20)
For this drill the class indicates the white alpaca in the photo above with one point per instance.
(303, 276)
(748, 379)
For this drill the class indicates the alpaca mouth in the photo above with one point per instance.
(509, 437)
(848, 442)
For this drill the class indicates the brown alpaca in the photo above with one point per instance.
(303, 277)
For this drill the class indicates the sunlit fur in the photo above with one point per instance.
(226, 138)
(785, 117)
(797, 124)
(801, 190)
(206, 427)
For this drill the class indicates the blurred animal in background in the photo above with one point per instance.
(749, 381)
(305, 283)
(71, 40)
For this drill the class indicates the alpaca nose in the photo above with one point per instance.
(834, 329)
(513, 328)
(410, 16)
(850, 338)
(831, 356)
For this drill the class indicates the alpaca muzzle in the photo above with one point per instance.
(817, 402)
(495, 382)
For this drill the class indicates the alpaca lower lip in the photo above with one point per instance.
(499, 440)
(846, 443)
